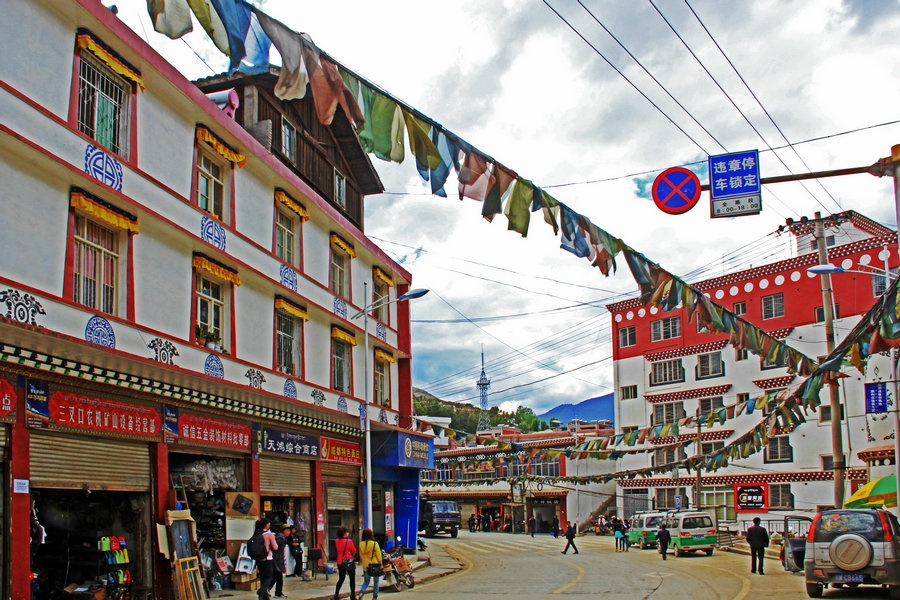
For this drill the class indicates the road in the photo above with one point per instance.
(518, 566)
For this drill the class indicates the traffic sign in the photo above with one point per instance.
(676, 190)
(735, 174)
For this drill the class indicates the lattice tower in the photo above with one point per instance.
(483, 385)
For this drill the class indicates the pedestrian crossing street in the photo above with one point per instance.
(494, 543)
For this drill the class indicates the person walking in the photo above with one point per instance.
(369, 555)
(346, 562)
(758, 539)
(266, 568)
(472, 523)
(570, 538)
(619, 534)
(295, 548)
(532, 524)
(279, 561)
(663, 538)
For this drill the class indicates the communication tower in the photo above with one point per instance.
(483, 385)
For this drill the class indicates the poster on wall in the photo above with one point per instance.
(389, 513)
(242, 511)
(37, 411)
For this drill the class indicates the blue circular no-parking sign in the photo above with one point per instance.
(676, 190)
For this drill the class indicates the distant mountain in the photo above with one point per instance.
(593, 409)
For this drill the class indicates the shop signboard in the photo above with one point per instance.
(290, 443)
(106, 416)
(415, 451)
(751, 497)
(341, 451)
(37, 409)
(8, 400)
(188, 427)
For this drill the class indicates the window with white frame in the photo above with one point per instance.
(880, 283)
(382, 381)
(288, 140)
(668, 455)
(722, 498)
(288, 343)
(780, 496)
(742, 397)
(96, 265)
(825, 413)
(820, 313)
(779, 449)
(104, 104)
(665, 498)
(380, 296)
(340, 189)
(285, 236)
(773, 306)
(666, 371)
(664, 329)
(210, 298)
(707, 405)
(340, 365)
(740, 354)
(628, 392)
(710, 448)
(627, 336)
(739, 308)
(668, 412)
(211, 173)
(340, 269)
(710, 365)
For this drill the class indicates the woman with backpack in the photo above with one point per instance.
(346, 562)
(264, 562)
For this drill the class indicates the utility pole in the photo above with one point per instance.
(698, 485)
(837, 442)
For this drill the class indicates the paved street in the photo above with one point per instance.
(485, 565)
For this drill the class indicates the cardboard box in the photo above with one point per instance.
(239, 577)
(246, 585)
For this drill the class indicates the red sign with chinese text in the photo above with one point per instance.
(340, 451)
(83, 412)
(194, 428)
(8, 398)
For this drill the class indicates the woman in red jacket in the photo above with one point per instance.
(346, 562)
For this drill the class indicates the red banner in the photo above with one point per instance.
(8, 398)
(108, 416)
(194, 428)
(340, 451)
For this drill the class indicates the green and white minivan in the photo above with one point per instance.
(691, 532)
(644, 526)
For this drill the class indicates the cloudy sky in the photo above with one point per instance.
(591, 100)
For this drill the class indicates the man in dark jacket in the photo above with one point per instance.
(570, 538)
(758, 539)
(663, 538)
(279, 561)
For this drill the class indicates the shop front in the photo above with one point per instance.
(341, 463)
(397, 459)
(89, 485)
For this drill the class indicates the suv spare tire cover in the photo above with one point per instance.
(850, 552)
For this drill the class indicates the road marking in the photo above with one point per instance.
(578, 578)
(745, 583)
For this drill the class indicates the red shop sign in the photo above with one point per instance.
(8, 398)
(340, 451)
(194, 428)
(108, 416)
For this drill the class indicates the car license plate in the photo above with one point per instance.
(848, 577)
(699, 537)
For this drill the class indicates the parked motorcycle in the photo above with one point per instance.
(397, 567)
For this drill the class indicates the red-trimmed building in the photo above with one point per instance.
(666, 369)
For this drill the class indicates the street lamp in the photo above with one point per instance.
(895, 415)
(364, 312)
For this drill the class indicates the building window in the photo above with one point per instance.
(664, 329)
(288, 140)
(709, 448)
(286, 237)
(628, 392)
(668, 412)
(779, 450)
(627, 337)
(709, 365)
(340, 189)
(740, 354)
(104, 100)
(210, 298)
(665, 498)
(340, 365)
(380, 295)
(774, 363)
(742, 397)
(825, 413)
(773, 306)
(340, 263)
(382, 382)
(828, 462)
(288, 343)
(210, 184)
(722, 499)
(820, 313)
(707, 405)
(740, 308)
(829, 241)
(880, 283)
(666, 371)
(780, 496)
(96, 268)
(668, 455)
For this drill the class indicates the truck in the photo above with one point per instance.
(439, 516)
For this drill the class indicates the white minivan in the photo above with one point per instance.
(691, 531)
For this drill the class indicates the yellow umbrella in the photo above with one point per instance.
(875, 494)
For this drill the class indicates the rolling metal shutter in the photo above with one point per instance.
(73, 462)
(284, 477)
(341, 498)
(4, 431)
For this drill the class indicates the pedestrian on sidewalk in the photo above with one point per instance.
(370, 560)
(618, 534)
(279, 561)
(570, 538)
(758, 539)
(532, 524)
(266, 567)
(346, 562)
(663, 538)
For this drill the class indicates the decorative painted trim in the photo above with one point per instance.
(343, 245)
(103, 167)
(343, 335)
(773, 383)
(686, 351)
(378, 273)
(704, 392)
(291, 308)
(99, 331)
(212, 233)
(21, 307)
(224, 150)
(382, 355)
(290, 389)
(291, 204)
(86, 41)
(287, 277)
(204, 263)
(102, 210)
(164, 349)
(213, 366)
(256, 378)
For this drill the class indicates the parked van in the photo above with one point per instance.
(691, 531)
(644, 526)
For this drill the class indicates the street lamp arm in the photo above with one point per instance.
(418, 293)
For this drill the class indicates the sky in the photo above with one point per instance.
(591, 100)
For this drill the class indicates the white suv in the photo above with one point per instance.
(847, 547)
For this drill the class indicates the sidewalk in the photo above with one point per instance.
(438, 564)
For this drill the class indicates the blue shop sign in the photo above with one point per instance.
(289, 443)
(876, 398)
(415, 451)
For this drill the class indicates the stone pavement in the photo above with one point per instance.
(437, 563)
